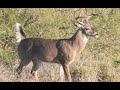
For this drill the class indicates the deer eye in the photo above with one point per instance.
(87, 29)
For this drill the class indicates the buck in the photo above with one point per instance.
(61, 51)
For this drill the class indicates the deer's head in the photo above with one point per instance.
(86, 27)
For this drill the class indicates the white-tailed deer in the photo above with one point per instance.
(62, 51)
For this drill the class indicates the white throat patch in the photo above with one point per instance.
(85, 39)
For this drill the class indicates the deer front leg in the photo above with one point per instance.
(67, 72)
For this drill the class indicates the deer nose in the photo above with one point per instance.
(96, 35)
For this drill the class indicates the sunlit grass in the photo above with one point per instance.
(48, 23)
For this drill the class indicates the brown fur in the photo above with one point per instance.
(62, 51)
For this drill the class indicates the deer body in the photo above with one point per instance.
(47, 49)
(61, 51)
(38, 48)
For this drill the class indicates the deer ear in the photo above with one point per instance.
(78, 25)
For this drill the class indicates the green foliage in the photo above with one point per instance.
(47, 23)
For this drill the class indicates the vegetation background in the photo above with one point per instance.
(99, 61)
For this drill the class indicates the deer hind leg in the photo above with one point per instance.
(36, 65)
(23, 63)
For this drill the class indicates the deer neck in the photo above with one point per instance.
(79, 40)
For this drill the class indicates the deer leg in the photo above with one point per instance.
(36, 65)
(22, 64)
(67, 71)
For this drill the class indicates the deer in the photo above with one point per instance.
(61, 51)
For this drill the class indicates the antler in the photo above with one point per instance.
(77, 23)
(87, 18)
(82, 23)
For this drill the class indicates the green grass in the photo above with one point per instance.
(98, 56)
(48, 23)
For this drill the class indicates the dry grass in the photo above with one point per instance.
(85, 71)
(47, 73)
(105, 50)
(96, 71)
